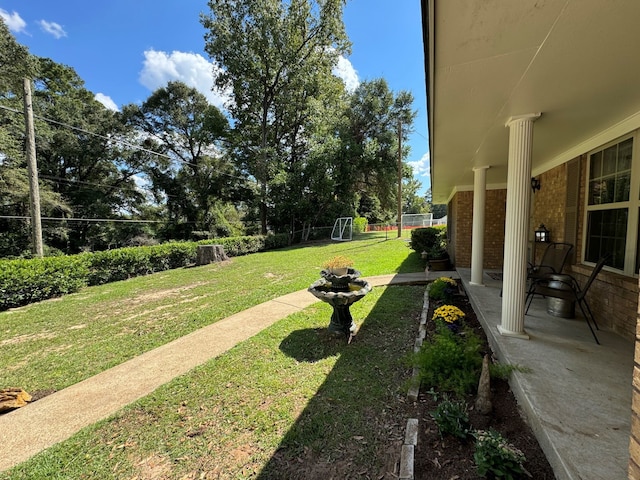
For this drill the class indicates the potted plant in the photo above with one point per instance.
(437, 254)
(431, 244)
(338, 265)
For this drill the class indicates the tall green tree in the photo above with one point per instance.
(439, 210)
(366, 168)
(80, 157)
(412, 202)
(193, 171)
(16, 64)
(273, 55)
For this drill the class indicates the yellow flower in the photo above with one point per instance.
(448, 313)
(448, 280)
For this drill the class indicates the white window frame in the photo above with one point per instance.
(632, 205)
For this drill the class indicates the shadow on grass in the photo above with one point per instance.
(355, 422)
(313, 344)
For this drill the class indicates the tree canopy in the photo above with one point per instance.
(292, 150)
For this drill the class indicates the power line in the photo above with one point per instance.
(90, 220)
(119, 141)
(145, 190)
(82, 130)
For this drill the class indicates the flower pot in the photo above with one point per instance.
(339, 271)
(439, 265)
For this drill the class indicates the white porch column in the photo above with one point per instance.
(514, 280)
(477, 238)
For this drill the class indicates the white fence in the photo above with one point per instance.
(418, 220)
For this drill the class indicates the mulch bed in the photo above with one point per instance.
(450, 458)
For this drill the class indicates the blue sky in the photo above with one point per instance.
(125, 49)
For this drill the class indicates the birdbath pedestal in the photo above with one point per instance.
(341, 291)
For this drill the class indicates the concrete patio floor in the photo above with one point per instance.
(577, 398)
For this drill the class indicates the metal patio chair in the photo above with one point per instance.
(567, 288)
(553, 260)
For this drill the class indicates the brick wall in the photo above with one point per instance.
(634, 440)
(495, 216)
(461, 223)
(613, 298)
(461, 249)
(549, 205)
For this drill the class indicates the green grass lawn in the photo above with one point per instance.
(56, 343)
(291, 395)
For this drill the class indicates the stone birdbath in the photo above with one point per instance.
(341, 291)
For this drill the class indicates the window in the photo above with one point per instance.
(637, 270)
(612, 210)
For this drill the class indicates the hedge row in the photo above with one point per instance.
(26, 281)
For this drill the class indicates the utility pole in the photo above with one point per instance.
(399, 178)
(32, 168)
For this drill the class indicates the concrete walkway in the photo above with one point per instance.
(52, 419)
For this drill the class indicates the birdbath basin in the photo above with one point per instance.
(341, 291)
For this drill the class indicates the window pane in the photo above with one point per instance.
(608, 226)
(593, 195)
(638, 248)
(618, 255)
(621, 223)
(607, 233)
(609, 160)
(608, 189)
(624, 155)
(594, 227)
(595, 170)
(623, 185)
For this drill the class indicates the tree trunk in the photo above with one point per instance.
(207, 254)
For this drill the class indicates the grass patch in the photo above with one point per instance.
(288, 403)
(56, 343)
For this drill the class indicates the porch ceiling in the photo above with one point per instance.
(575, 61)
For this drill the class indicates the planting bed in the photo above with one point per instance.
(450, 458)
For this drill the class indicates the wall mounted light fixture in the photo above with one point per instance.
(535, 184)
(542, 234)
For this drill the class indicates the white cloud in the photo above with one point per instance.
(107, 101)
(14, 22)
(190, 68)
(53, 28)
(422, 167)
(344, 70)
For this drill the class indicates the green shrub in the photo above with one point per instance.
(442, 289)
(279, 240)
(494, 455)
(428, 239)
(452, 418)
(118, 264)
(25, 281)
(32, 280)
(238, 246)
(360, 225)
(451, 362)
